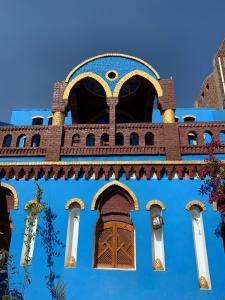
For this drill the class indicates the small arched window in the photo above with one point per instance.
(189, 118)
(192, 138)
(104, 139)
(36, 140)
(134, 139)
(72, 235)
(75, 140)
(149, 139)
(222, 137)
(176, 119)
(21, 141)
(119, 139)
(196, 208)
(156, 220)
(7, 141)
(207, 137)
(37, 120)
(90, 140)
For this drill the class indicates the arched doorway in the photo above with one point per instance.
(114, 234)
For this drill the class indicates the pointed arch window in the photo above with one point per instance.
(196, 208)
(119, 139)
(158, 257)
(134, 139)
(114, 235)
(208, 137)
(149, 139)
(74, 206)
(104, 139)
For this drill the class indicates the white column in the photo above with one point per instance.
(200, 248)
(158, 257)
(72, 236)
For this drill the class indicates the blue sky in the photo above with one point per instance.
(41, 41)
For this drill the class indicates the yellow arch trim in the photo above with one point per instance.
(74, 200)
(98, 78)
(111, 54)
(155, 202)
(196, 203)
(116, 183)
(16, 202)
(142, 74)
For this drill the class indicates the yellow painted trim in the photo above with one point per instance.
(74, 200)
(105, 163)
(116, 183)
(41, 117)
(111, 54)
(143, 74)
(111, 79)
(96, 77)
(186, 116)
(195, 203)
(155, 202)
(5, 185)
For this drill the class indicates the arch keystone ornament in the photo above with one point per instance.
(13, 191)
(119, 184)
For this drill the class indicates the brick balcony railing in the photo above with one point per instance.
(55, 141)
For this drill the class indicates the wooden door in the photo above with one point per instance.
(114, 245)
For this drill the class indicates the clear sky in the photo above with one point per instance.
(41, 41)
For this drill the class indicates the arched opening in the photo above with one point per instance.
(37, 120)
(21, 141)
(189, 118)
(75, 140)
(192, 138)
(36, 140)
(119, 139)
(149, 139)
(222, 137)
(208, 137)
(104, 139)
(88, 92)
(90, 140)
(134, 139)
(7, 141)
(6, 204)
(136, 101)
(114, 235)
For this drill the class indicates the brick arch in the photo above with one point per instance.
(14, 194)
(115, 184)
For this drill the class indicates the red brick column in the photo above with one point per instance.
(54, 142)
(172, 141)
(112, 102)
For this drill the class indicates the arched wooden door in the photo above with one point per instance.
(114, 245)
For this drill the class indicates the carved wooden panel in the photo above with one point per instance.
(114, 245)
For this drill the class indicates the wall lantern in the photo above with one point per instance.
(157, 221)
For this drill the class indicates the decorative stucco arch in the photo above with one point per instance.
(113, 55)
(73, 201)
(117, 184)
(94, 76)
(15, 197)
(140, 73)
(155, 202)
(195, 203)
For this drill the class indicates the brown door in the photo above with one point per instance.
(114, 245)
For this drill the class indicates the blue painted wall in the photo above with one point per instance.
(179, 281)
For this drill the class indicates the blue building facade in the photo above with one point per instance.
(119, 166)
